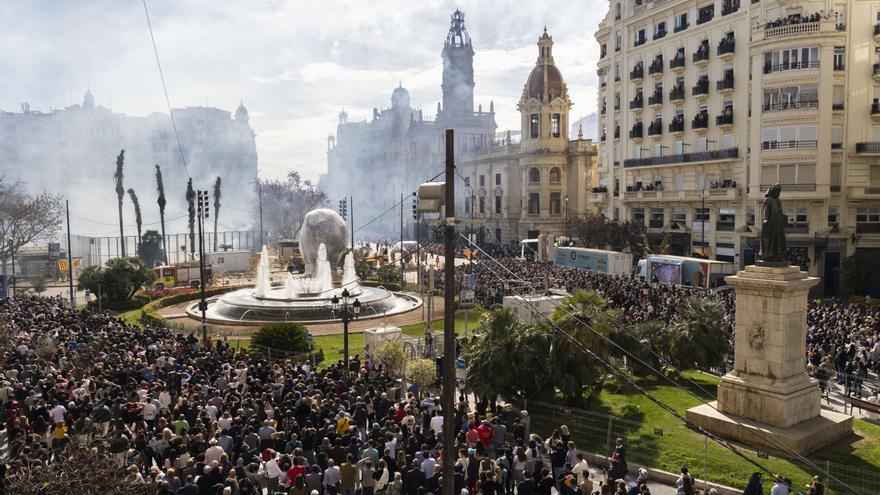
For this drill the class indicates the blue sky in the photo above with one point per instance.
(295, 64)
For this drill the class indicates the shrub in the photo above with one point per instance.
(422, 372)
(392, 356)
(287, 337)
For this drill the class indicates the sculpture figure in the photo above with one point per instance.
(773, 242)
(322, 226)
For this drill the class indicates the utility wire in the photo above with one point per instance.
(165, 89)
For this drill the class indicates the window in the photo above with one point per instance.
(617, 71)
(789, 137)
(726, 219)
(467, 206)
(637, 152)
(554, 175)
(679, 214)
(835, 177)
(498, 235)
(836, 137)
(868, 215)
(706, 13)
(791, 59)
(555, 204)
(679, 147)
(657, 218)
(534, 203)
(617, 11)
(840, 19)
(727, 141)
(482, 180)
(617, 41)
(833, 214)
(467, 182)
(799, 176)
(839, 57)
(874, 176)
(701, 215)
(702, 144)
(482, 203)
(534, 175)
(497, 205)
(787, 97)
(750, 215)
(497, 179)
(681, 22)
(535, 125)
(640, 37)
(658, 149)
(556, 123)
(638, 215)
(660, 30)
(797, 217)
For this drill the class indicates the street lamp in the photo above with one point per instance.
(567, 234)
(346, 313)
(10, 245)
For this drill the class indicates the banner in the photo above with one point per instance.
(62, 264)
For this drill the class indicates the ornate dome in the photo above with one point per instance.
(241, 113)
(535, 84)
(400, 97)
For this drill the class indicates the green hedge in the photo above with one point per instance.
(150, 315)
(129, 305)
(392, 286)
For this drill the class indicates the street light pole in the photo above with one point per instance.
(203, 213)
(346, 314)
(448, 396)
(11, 245)
(69, 257)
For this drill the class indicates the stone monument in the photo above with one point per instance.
(322, 226)
(768, 399)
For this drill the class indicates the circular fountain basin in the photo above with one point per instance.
(244, 307)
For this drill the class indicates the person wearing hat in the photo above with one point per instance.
(816, 487)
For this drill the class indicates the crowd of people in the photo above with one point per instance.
(793, 19)
(173, 416)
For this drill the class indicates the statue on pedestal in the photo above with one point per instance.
(773, 243)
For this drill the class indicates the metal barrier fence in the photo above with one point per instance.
(596, 432)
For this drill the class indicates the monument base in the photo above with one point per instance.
(803, 438)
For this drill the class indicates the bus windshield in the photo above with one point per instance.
(528, 249)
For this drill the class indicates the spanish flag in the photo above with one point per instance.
(62, 264)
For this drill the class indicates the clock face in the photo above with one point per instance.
(756, 337)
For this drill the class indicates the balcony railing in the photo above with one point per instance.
(677, 125)
(636, 132)
(867, 228)
(617, 133)
(797, 228)
(676, 93)
(701, 54)
(727, 45)
(877, 29)
(789, 145)
(840, 106)
(640, 41)
(701, 121)
(802, 187)
(656, 127)
(656, 66)
(637, 102)
(637, 73)
(702, 87)
(725, 226)
(790, 105)
(681, 27)
(729, 7)
(655, 99)
(659, 34)
(704, 18)
(876, 70)
(677, 62)
(655, 223)
(724, 119)
(792, 29)
(701, 156)
(809, 64)
(724, 84)
(869, 147)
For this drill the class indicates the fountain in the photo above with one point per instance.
(305, 298)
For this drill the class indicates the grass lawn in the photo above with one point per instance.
(857, 457)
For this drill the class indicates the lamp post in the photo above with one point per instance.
(346, 313)
(567, 234)
(10, 245)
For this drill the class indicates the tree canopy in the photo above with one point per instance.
(286, 202)
(25, 217)
(117, 280)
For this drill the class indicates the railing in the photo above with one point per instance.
(702, 54)
(875, 108)
(676, 125)
(701, 88)
(789, 145)
(877, 29)
(681, 27)
(724, 120)
(656, 67)
(727, 45)
(809, 64)
(659, 34)
(867, 228)
(724, 84)
(636, 132)
(797, 228)
(700, 156)
(640, 41)
(730, 7)
(655, 224)
(655, 99)
(676, 93)
(677, 62)
(876, 70)
(637, 73)
(655, 128)
(869, 147)
(872, 190)
(803, 187)
(701, 121)
(637, 102)
(792, 29)
(840, 106)
(705, 18)
(724, 226)
(790, 105)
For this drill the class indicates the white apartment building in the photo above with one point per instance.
(706, 103)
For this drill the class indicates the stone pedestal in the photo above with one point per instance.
(769, 394)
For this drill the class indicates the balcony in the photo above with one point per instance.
(702, 87)
(705, 17)
(725, 226)
(655, 223)
(637, 103)
(868, 148)
(637, 73)
(877, 32)
(677, 63)
(677, 125)
(659, 34)
(701, 121)
(725, 119)
(656, 67)
(617, 132)
(875, 72)
(598, 197)
(809, 64)
(681, 27)
(797, 228)
(725, 85)
(798, 29)
(786, 188)
(701, 56)
(726, 48)
(729, 7)
(840, 106)
(676, 93)
(639, 41)
(603, 137)
(790, 105)
(604, 110)
(603, 52)
(789, 145)
(655, 99)
(867, 228)
(637, 131)
(656, 127)
(701, 156)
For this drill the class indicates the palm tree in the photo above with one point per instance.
(191, 210)
(699, 336)
(137, 215)
(216, 208)
(161, 201)
(120, 194)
